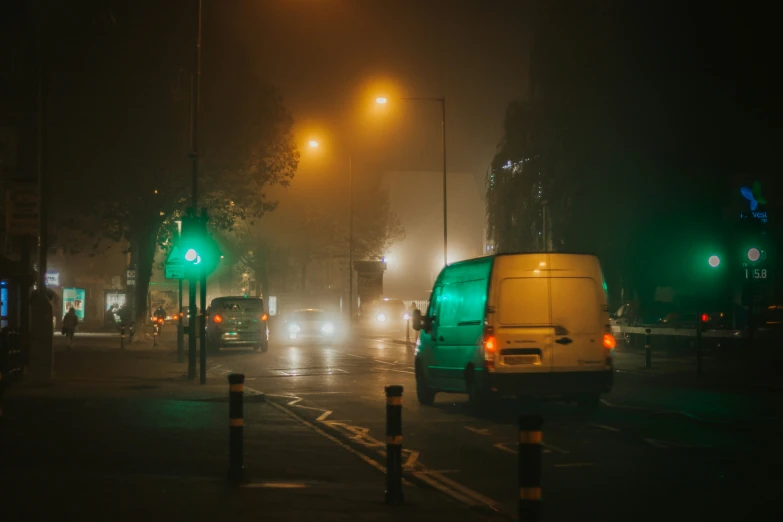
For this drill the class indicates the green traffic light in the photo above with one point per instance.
(754, 254)
(191, 255)
(714, 261)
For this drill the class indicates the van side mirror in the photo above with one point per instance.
(416, 320)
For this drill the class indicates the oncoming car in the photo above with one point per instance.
(388, 313)
(311, 324)
(237, 321)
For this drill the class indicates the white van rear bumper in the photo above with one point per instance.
(548, 383)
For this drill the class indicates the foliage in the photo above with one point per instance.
(137, 166)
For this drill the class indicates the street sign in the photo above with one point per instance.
(130, 278)
(175, 265)
(175, 269)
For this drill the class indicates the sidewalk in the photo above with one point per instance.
(124, 436)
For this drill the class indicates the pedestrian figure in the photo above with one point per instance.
(70, 321)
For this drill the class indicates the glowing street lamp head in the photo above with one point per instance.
(313, 144)
(714, 261)
(191, 255)
(381, 100)
(754, 254)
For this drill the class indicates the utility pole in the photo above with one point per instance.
(36, 315)
(196, 323)
(545, 229)
(445, 213)
(350, 241)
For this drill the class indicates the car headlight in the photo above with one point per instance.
(381, 318)
(294, 328)
(327, 328)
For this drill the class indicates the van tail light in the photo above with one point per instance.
(264, 317)
(218, 319)
(490, 345)
(609, 345)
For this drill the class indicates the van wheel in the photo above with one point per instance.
(424, 393)
(589, 402)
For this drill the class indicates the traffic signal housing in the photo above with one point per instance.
(199, 249)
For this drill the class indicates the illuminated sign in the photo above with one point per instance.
(52, 278)
(754, 198)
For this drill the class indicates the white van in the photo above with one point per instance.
(517, 324)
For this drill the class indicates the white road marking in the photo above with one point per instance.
(482, 431)
(383, 362)
(605, 427)
(574, 465)
(323, 416)
(502, 447)
(384, 369)
(357, 356)
(412, 459)
(656, 443)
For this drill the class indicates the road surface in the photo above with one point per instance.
(651, 452)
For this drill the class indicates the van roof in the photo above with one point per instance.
(480, 267)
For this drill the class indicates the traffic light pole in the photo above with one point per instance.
(180, 326)
(202, 326)
(192, 328)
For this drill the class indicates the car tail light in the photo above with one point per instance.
(705, 318)
(218, 319)
(264, 317)
(490, 345)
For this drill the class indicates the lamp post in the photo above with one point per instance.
(314, 144)
(442, 101)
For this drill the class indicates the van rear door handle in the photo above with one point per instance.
(564, 340)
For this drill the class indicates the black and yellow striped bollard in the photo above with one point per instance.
(236, 389)
(394, 445)
(529, 467)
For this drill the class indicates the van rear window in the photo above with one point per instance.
(524, 301)
(240, 305)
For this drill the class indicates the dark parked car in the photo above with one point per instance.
(237, 321)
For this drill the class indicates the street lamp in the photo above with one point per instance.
(313, 144)
(381, 100)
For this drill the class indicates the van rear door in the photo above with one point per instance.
(576, 314)
(523, 325)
